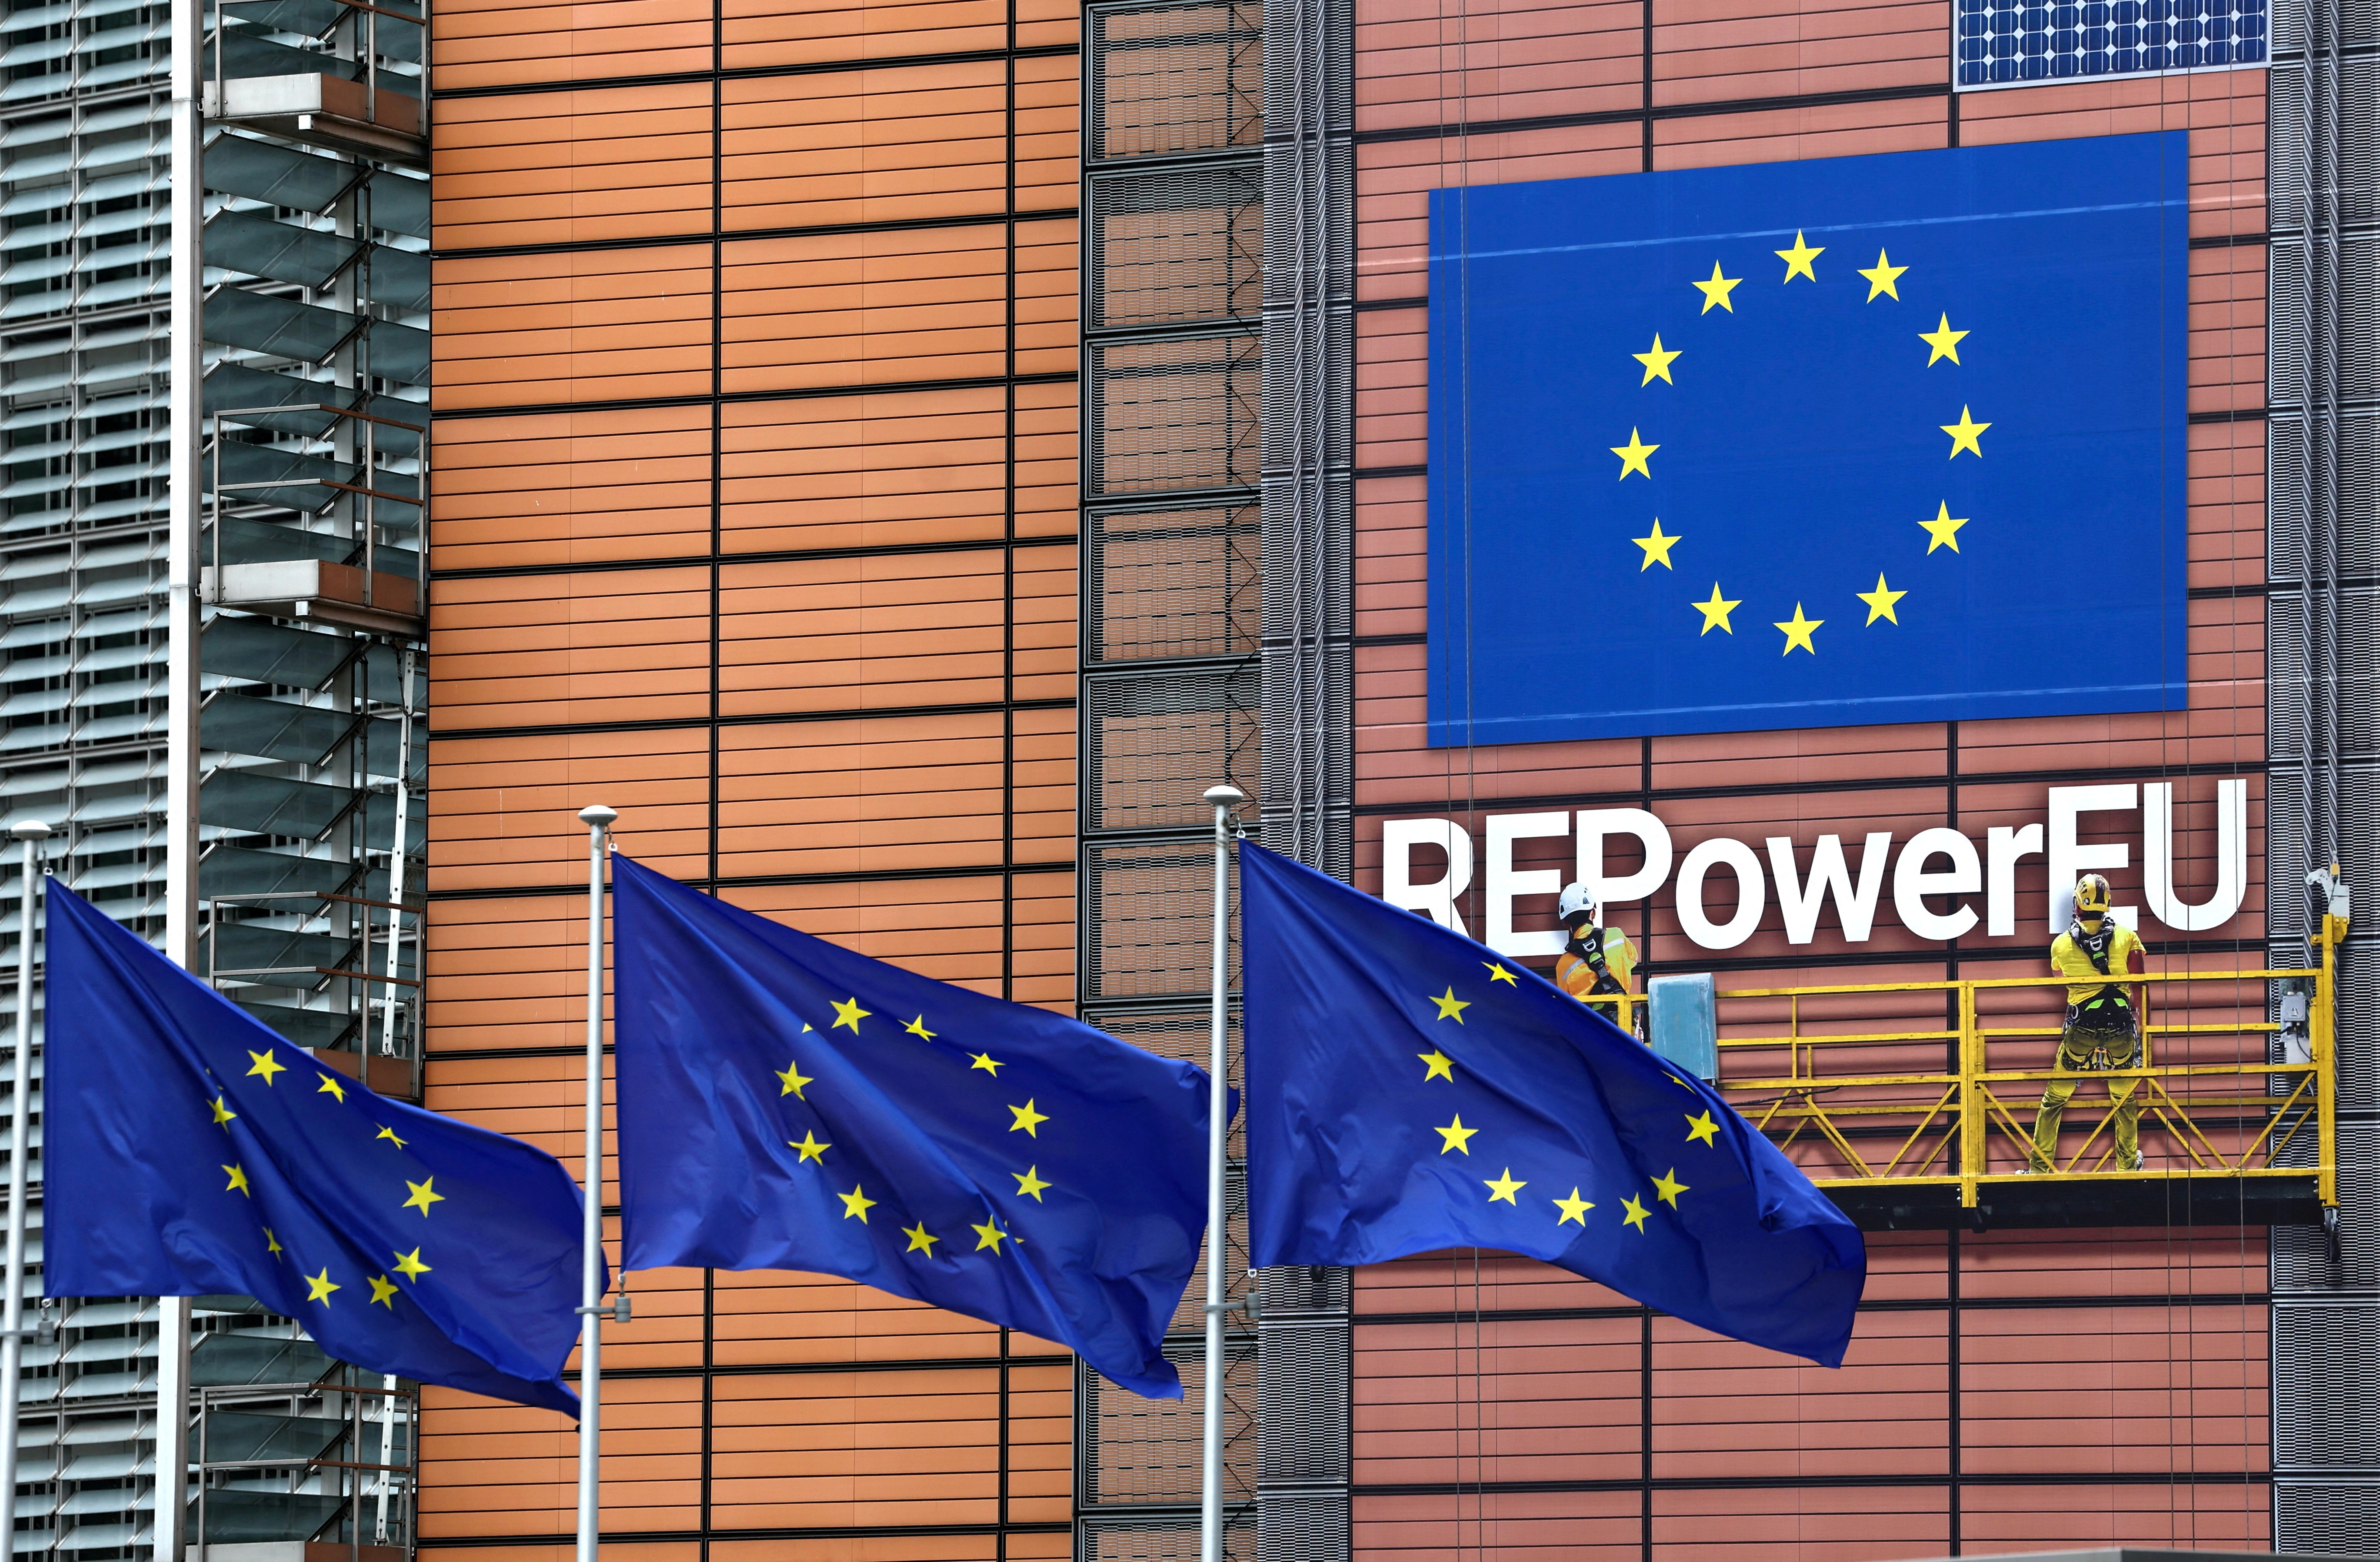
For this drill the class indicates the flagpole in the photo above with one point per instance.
(12, 1313)
(590, 1289)
(1211, 1473)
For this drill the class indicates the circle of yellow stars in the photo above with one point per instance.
(1636, 456)
(1025, 1117)
(320, 1289)
(1454, 1137)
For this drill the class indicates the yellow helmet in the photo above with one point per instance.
(2092, 897)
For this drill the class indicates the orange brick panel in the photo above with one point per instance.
(1433, 62)
(572, 167)
(1393, 181)
(1510, 1526)
(776, 1317)
(503, 811)
(775, 32)
(545, 651)
(833, 634)
(1042, 774)
(875, 794)
(946, 928)
(508, 973)
(1046, 608)
(490, 1469)
(570, 488)
(1781, 135)
(598, 325)
(814, 1450)
(1719, 51)
(1998, 1519)
(1046, 286)
(1828, 1524)
(881, 470)
(1049, 126)
(900, 143)
(1047, 469)
(509, 44)
(1725, 1409)
(864, 308)
(1498, 1399)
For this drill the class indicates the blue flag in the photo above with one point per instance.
(1410, 1090)
(1860, 440)
(188, 1151)
(786, 1104)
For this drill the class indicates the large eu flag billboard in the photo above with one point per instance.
(1837, 442)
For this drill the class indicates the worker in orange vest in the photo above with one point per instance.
(1599, 963)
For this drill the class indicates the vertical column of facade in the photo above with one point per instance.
(2323, 446)
(1173, 204)
(755, 520)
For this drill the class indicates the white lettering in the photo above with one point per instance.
(2003, 849)
(1751, 893)
(2069, 860)
(2230, 857)
(1911, 882)
(1595, 825)
(1506, 883)
(1828, 874)
(1443, 899)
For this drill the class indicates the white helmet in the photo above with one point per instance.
(1579, 898)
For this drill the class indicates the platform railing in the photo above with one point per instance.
(1841, 1077)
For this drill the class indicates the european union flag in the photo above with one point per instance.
(190, 1151)
(1408, 1089)
(786, 1104)
(1862, 440)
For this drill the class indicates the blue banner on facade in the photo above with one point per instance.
(1824, 444)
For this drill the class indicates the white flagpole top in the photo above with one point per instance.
(597, 815)
(1224, 795)
(31, 830)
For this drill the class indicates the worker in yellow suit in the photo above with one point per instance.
(1599, 963)
(2103, 1030)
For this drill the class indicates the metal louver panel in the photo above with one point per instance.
(1176, 414)
(1153, 742)
(2301, 1257)
(2326, 1347)
(1159, 1537)
(1148, 906)
(1174, 247)
(1148, 1450)
(1167, 80)
(1172, 584)
(2326, 1519)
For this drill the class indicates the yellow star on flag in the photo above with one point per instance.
(1027, 1118)
(1633, 456)
(1573, 1209)
(423, 1196)
(1879, 602)
(1702, 1129)
(271, 1243)
(1715, 612)
(1964, 433)
(1881, 278)
(1439, 1065)
(239, 1184)
(390, 1134)
(988, 1235)
(264, 1063)
(809, 1147)
(1451, 1007)
(409, 1265)
(856, 1204)
(1457, 1137)
(916, 1027)
(1669, 1187)
(920, 1239)
(1635, 1216)
(1504, 1188)
(1656, 362)
(331, 1087)
(1943, 530)
(318, 1286)
(223, 1114)
(1797, 260)
(1944, 341)
(1657, 548)
(1797, 630)
(382, 1290)
(986, 1062)
(1029, 1185)
(849, 1014)
(793, 1079)
(1497, 974)
(1716, 290)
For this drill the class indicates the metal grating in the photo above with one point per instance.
(2359, 150)
(1173, 582)
(2358, 348)
(1308, 1387)
(1175, 80)
(1154, 742)
(2300, 1255)
(1149, 905)
(2327, 1517)
(1130, 1537)
(1175, 414)
(2325, 1350)
(1175, 247)
(2356, 436)
(1146, 1450)
(2003, 42)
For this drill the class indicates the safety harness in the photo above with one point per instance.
(1587, 943)
(2093, 1013)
